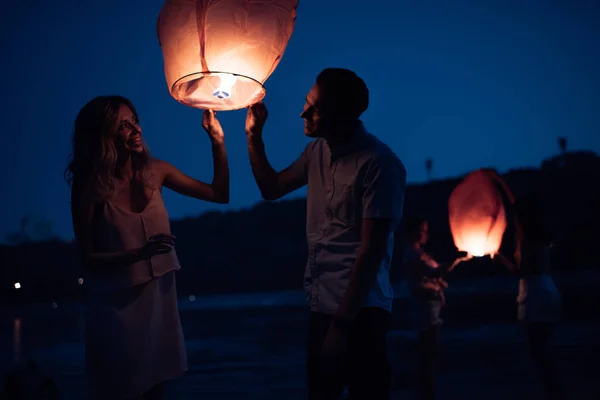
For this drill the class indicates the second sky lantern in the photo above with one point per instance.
(218, 53)
(477, 213)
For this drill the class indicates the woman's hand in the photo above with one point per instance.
(459, 259)
(433, 284)
(443, 284)
(161, 243)
(212, 126)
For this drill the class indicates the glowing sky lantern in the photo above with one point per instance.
(218, 53)
(477, 214)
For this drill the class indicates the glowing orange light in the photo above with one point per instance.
(218, 54)
(477, 214)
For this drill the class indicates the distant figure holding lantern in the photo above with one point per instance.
(355, 199)
(539, 301)
(133, 336)
(426, 286)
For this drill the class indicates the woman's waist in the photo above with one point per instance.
(133, 274)
(118, 234)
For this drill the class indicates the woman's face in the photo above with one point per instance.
(128, 136)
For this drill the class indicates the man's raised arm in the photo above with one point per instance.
(272, 184)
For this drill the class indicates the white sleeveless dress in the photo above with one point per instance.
(539, 300)
(133, 335)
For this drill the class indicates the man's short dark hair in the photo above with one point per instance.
(344, 91)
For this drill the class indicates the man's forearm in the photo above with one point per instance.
(265, 175)
(362, 278)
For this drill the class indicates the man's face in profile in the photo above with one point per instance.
(314, 115)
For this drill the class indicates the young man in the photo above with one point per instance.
(355, 197)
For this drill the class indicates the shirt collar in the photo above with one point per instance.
(354, 143)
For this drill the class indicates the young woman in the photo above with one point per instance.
(427, 294)
(134, 341)
(539, 301)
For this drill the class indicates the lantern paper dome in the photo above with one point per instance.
(218, 53)
(477, 214)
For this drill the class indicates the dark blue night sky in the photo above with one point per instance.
(467, 83)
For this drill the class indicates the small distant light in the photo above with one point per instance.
(17, 285)
(80, 281)
(54, 305)
(192, 297)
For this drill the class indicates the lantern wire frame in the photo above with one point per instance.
(198, 90)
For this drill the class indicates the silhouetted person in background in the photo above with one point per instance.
(355, 198)
(133, 337)
(426, 287)
(539, 301)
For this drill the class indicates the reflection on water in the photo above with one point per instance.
(17, 340)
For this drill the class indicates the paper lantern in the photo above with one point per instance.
(477, 214)
(218, 53)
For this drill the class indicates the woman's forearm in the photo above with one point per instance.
(220, 183)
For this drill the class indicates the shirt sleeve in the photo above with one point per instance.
(299, 168)
(384, 186)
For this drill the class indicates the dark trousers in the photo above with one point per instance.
(366, 371)
(429, 341)
(539, 340)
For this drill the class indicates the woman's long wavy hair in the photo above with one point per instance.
(94, 161)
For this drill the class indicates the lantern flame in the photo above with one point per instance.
(478, 245)
(226, 85)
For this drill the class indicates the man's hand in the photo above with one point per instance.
(255, 119)
(506, 262)
(333, 351)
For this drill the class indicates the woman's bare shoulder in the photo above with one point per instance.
(157, 170)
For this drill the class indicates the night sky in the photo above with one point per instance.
(467, 83)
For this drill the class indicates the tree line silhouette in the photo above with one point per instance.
(264, 248)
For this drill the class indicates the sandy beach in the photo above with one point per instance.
(251, 346)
